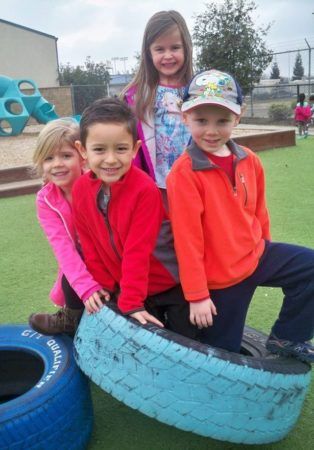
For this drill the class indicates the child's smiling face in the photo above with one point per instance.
(211, 127)
(109, 150)
(62, 167)
(167, 53)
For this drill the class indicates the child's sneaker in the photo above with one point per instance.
(303, 351)
(66, 320)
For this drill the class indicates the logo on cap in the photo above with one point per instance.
(213, 87)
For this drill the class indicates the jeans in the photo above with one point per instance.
(287, 266)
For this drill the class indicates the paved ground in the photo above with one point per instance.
(18, 150)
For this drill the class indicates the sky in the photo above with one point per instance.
(106, 29)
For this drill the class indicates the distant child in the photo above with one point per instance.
(122, 225)
(302, 116)
(60, 164)
(157, 90)
(311, 100)
(221, 229)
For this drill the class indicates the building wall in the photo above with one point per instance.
(25, 53)
(61, 97)
(118, 83)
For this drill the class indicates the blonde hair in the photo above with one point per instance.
(53, 136)
(147, 77)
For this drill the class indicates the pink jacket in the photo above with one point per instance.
(146, 156)
(302, 113)
(55, 216)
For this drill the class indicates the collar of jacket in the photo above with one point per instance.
(96, 183)
(53, 194)
(201, 162)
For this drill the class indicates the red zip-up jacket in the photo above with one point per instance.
(128, 246)
(219, 229)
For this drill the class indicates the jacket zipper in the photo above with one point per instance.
(113, 245)
(242, 179)
(62, 218)
(234, 187)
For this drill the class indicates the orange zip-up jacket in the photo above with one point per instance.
(219, 229)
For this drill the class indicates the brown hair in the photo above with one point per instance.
(107, 110)
(147, 77)
(53, 136)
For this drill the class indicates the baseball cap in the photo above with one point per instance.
(212, 87)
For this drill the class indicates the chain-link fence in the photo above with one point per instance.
(84, 95)
(258, 104)
(286, 62)
(264, 99)
(282, 93)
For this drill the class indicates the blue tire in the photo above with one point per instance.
(45, 400)
(252, 398)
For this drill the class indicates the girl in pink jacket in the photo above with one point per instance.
(59, 163)
(302, 116)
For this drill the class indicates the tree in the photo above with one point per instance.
(298, 70)
(275, 72)
(89, 73)
(89, 82)
(228, 39)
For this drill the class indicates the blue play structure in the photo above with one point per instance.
(17, 106)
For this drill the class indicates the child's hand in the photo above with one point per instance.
(143, 317)
(94, 302)
(104, 294)
(201, 313)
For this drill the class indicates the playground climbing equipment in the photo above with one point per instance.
(19, 100)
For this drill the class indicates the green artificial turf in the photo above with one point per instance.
(28, 269)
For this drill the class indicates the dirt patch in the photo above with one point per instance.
(18, 150)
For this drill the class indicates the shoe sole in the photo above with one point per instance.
(288, 353)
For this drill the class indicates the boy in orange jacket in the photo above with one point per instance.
(216, 193)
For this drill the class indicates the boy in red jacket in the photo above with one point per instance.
(123, 229)
(220, 221)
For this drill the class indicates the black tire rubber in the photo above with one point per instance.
(253, 398)
(45, 401)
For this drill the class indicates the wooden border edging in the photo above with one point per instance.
(18, 173)
(21, 180)
(266, 141)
